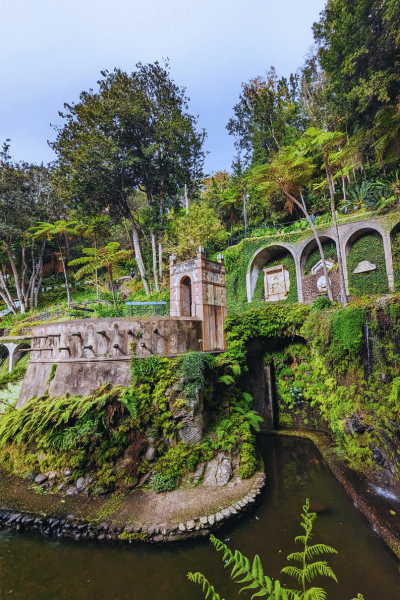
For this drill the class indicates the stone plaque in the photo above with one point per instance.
(321, 284)
(364, 266)
(276, 283)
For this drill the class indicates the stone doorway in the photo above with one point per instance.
(186, 297)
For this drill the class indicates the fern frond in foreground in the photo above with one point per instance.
(252, 577)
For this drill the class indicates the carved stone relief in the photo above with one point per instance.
(276, 283)
(364, 266)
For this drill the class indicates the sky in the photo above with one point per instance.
(51, 50)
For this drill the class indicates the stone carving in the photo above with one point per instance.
(276, 283)
(321, 284)
(318, 266)
(364, 266)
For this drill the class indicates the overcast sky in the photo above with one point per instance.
(51, 50)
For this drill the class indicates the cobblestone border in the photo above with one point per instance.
(51, 526)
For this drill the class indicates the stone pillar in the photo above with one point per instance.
(299, 279)
(13, 354)
(387, 247)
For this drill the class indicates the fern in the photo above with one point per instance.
(308, 571)
(252, 575)
(207, 587)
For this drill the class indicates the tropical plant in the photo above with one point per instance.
(251, 575)
(94, 227)
(59, 230)
(110, 257)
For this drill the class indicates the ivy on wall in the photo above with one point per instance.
(368, 247)
(395, 238)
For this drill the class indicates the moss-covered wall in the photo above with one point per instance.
(286, 260)
(368, 247)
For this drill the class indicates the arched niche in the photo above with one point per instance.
(367, 262)
(311, 251)
(186, 297)
(268, 257)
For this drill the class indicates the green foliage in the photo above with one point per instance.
(163, 483)
(321, 303)
(309, 570)
(17, 373)
(250, 576)
(287, 261)
(329, 253)
(347, 330)
(52, 373)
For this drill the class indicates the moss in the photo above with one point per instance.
(369, 246)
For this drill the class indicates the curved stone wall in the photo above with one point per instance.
(91, 352)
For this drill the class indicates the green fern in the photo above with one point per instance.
(308, 571)
(206, 585)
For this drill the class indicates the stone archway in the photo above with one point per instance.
(312, 273)
(372, 269)
(261, 258)
(186, 297)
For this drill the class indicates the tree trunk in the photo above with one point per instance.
(343, 294)
(16, 278)
(65, 275)
(6, 296)
(160, 253)
(109, 271)
(303, 208)
(138, 253)
(36, 277)
(154, 253)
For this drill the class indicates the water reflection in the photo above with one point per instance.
(36, 568)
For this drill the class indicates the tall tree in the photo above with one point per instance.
(266, 117)
(287, 173)
(23, 200)
(94, 227)
(134, 133)
(359, 49)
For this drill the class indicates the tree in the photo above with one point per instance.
(287, 173)
(94, 227)
(61, 230)
(359, 49)
(386, 131)
(133, 134)
(335, 153)
(266, 117)
(199, 226)
(110, 257)
(22, 202)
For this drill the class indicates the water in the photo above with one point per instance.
(37, 568)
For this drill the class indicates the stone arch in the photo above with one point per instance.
(261, 257)
(186, 300)
(310, 245)
(353, 235)
(16, 350)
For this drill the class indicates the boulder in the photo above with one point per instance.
(39, 479)
(224, 471)
(150, 454)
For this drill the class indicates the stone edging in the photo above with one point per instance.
(146, 532)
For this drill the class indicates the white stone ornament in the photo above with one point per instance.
(276, 283)
(364, 266)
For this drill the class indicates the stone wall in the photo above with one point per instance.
(91, 352)
(310, 288)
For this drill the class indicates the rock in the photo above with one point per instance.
(144, 478)
(122, 464)
(219, 517)
(190, 525)
(158, 538)
(72, 491)
(80, 484)
(211, 519)
(224, 471)
(133, 528)
(39, 479)
(100, 490)
(204, 520)
(127, 485)
(101, 537)
(41, 456)
(67, 472)
(51, 475)
(196, 476)
(153, 528)
(378, 456)
(226, 512)
(150, 454)
(210, 478)
(182, 527)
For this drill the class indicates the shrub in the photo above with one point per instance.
(163, 483)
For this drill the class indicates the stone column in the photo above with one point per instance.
(13, 354)
(387, 247)
(298, 277)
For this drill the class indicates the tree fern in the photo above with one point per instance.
(308, 571)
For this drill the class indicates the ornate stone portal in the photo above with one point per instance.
(276, 283)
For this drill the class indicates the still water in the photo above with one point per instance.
(37, 568)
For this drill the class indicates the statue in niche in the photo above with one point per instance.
(276, 283)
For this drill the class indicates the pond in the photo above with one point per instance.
(33, 567)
